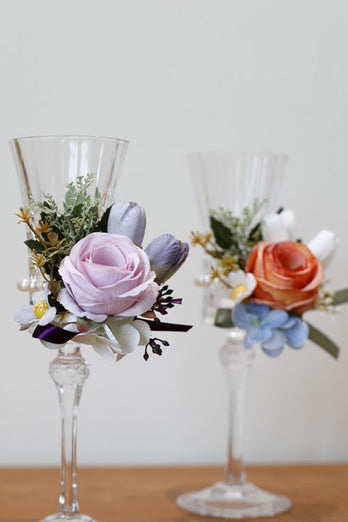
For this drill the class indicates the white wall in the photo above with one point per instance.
(175, 76)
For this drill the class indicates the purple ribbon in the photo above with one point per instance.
(56, 335)
(53, 334)
(167, 327)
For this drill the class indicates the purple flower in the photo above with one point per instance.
(270, 328)
(106, 274)
(128, 219)
(166, 254)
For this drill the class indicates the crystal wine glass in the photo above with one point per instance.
(234, 181)
(45, 166)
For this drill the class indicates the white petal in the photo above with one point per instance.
(52, 346)
(105, 352)
(250, 283)
(97, 341)
(274, 229)
(323, 244)
(86, 338)
(48, 317)
(39, 296)
(127, 336)
(144, 331)
(237, 278)
(71, 327)
(128, 219)
(287, 217)
(25, 315)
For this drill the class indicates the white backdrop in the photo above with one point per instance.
(174, 76)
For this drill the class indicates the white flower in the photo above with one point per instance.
(39, 313)
(121, 337)
(323, 245)
(128, 219)
(242, 285)
(279, 227)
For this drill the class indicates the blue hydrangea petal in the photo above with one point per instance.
(297, 334)
(263, 333)
(260, 310)
(275, 318)
(241, 317)
(290, 322)
(275, 342)
(273, 353)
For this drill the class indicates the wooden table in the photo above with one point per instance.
(319, 493)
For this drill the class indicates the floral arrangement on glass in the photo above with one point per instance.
(272, 278)
(100, 288)
(90, 281)
(257, 282)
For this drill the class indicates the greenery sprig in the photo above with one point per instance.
(231, 238)
(58, 231)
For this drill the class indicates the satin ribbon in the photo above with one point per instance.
(53, 334)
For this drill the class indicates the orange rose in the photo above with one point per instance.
(288, 275)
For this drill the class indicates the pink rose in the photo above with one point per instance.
(107, 274)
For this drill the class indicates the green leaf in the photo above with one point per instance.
(317, 337)
(223, 235)
(255, 234)
(103, 223)
(340, 297)
(34, 245)
(223, 318)
(76, 210)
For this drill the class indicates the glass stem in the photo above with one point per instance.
(69, 371)
(236, 361)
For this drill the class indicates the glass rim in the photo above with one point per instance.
(236, 152)
(68, 136)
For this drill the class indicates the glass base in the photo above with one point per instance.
(73, 517)
(234, 501)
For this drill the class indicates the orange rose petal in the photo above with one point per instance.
(250, 263)
(316, 281)
(283, 297)
(287, 275)
(284, 276)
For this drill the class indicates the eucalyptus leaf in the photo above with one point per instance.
(223, 318)
(319, 338)
(340, 297)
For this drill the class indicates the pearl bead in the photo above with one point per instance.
(35, 285)
(23, 286)
(203, 280)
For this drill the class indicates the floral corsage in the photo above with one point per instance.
(270, 278)
(99, 286)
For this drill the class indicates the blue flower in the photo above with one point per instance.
(270, 328)
(166, 254)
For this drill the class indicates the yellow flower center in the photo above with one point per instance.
(237, 290)
(40, 308)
